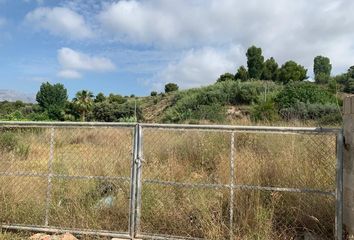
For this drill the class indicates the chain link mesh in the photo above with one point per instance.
(76, 178)
(194, 183)
(22, 199)
(24, 150)
(283, 215)
(187, 156)
(180, 211)
(286, 160)
(276, 181)
(90, 204)
(93, 152)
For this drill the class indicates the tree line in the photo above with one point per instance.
(269, 70)
(53, 104)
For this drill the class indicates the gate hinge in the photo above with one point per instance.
(139, 160)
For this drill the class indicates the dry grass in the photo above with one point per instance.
(299, 161)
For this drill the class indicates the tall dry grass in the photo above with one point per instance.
(297, 161)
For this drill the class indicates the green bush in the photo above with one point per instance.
(323, 113)
(9, 143)
(188, 104)
(331, 119)
(43, 116)
(304, 92)
(15, 116)
(171, 87)
(214, 113)
(114, 112)
(128, 119)
(226, 77)
(264, 111)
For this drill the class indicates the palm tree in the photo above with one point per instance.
(83, 102)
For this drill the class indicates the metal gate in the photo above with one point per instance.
(157, 181)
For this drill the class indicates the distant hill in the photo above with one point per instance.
(12, 96)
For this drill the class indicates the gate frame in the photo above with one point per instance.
(136, 172)
(338, 193)
(52, 126)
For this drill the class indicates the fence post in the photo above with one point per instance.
(50, 174)
(339, 187)
(132, 207)
(232, 181)
(135, 183)
(139, 162)
(348, 165)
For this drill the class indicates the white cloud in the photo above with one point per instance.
(222, 21)
(71, 74)
(60, 21)
(135, 21)
(73, 62)
(200, 67)
(70, 59)
(297, 30)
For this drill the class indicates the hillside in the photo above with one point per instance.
(237, 102)
(225, 102)
(154, 108)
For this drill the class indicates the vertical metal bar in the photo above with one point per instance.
(139, 180)
(133, 183)
(50, 174)
(339, 187)
(232, 179)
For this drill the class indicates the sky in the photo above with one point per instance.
(137, 46)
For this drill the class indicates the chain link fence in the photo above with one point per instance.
(156, 181)
(66, 177)
(239, 183)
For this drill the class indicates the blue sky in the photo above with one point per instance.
(134, 47)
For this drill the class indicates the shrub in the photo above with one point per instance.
(304, 92)
(248, 92)
(113, 98)
(128, 119)
(214, 113)
(265, 110)
(153, 94)
(331, 119)
(323, 113)
(188, 103)
(245, 94)
(226, 77)
(114, 112)
(43, 116)
(15, 116)
(8, 141)
(171, 87)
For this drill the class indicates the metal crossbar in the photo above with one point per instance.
(168, 181)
